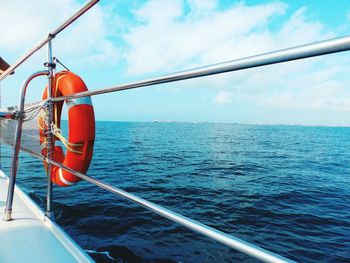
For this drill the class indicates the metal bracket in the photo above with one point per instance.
(19, 114)
(50, 65)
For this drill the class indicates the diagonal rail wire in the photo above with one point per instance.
(224, 238)
(50, 36)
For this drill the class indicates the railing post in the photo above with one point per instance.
(16, 145)
(51, 66)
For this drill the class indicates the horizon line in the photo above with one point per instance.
(222, 122)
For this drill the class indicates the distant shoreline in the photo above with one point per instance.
(229, 123)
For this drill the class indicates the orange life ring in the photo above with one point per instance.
(81, 129)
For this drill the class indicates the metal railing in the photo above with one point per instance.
(17, 143)
(285, 55)
(49, 37)
(300, 52)
(224, 238)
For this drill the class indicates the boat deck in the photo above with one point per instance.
(30, 236)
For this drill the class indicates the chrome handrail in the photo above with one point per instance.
(49, 37)
(222, 237)
(17, 143)
(17, 140)
(294, 53)
(279, 56)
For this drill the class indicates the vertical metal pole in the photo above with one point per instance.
(16, 145)
(14, 165)
(50, 64)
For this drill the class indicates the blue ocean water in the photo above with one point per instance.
(284, 188)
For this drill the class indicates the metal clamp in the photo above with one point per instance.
(50, 65)
(19, 114)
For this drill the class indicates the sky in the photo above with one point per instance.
(123, 41)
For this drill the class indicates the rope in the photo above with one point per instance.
(57, 132)
(54, 128)
(41, 108)
(33, 109)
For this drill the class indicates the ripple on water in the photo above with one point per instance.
(285, 188)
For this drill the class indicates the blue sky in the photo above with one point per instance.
(122, 41)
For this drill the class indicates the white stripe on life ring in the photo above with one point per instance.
(63, 180)
(78, 101)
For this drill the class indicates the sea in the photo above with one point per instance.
(284, 188)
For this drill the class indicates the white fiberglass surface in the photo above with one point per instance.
(31, 238)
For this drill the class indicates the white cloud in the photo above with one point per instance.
(172, 39)
(199, 7)
(191, 33)
(319, 88)
(27, 22)
(183, 37)
(223, 97)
